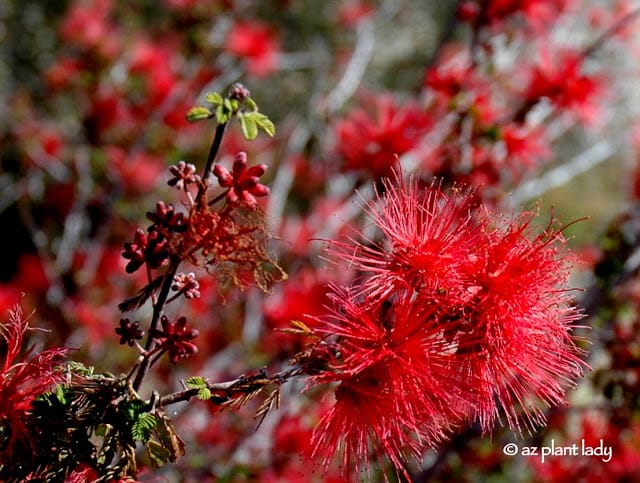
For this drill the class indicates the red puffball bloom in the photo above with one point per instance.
(428, 242)
(459, 316)
(398, 391)
(519, 347)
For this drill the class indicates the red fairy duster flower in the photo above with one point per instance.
(398, 387)
(428, 242)
(525, 146)
(24, 375)
(559, 77)
(539, 13)
(458, 314)
(520, 346)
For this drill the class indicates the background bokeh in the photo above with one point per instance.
(94, 95)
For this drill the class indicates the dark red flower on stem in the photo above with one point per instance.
(150, 249)
(175, 338)
(243, 183)
(184, 174)
(166, 219)
(129, 331)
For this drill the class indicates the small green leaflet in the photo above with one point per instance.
(199, 383)
(249, 126)
(198, 113)
(265, 123)
(134, 408)
(252, 121)
(214, 98)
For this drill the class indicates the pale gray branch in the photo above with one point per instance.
(562, 174)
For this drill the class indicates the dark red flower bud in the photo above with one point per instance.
(135, 251)
(186, 283)
(239, 91)
(129, 331)
(183, 175)
(166, 217)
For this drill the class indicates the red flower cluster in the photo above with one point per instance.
(559, 78)
(256, 44)
(460, 316)
(538, 13)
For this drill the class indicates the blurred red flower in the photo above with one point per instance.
(371, 138)
(256, 44)
(559, 78)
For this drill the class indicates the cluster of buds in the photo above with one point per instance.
(176, 338)
(243, 182)
(150, 249)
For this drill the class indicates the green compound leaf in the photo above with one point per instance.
(141, 429)
(79, 368)
(134, 408)
(198, 113)
(196, 382)
(199, 383)
(204, 394)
